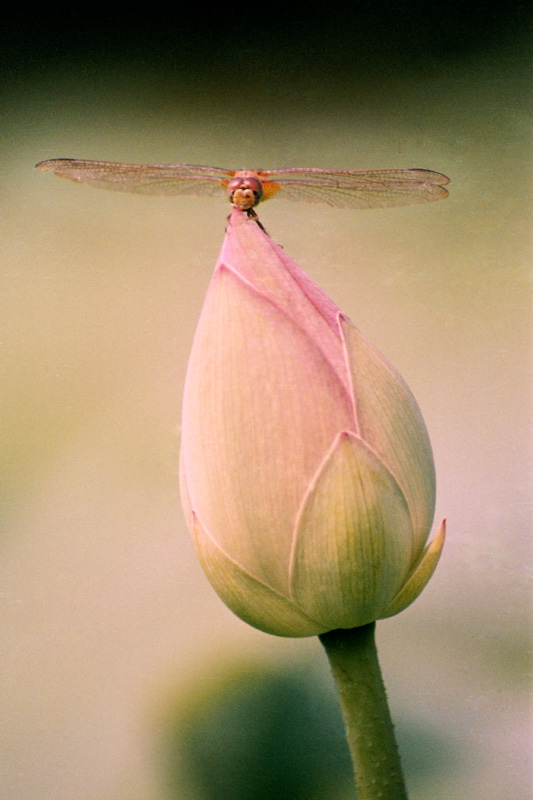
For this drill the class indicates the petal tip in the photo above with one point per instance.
(420, 576)
(440, 537)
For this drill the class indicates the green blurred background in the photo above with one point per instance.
(123, 676)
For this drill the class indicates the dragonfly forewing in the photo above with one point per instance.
(361, 188)
(155, 179)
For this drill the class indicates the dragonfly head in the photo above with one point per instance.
(245, 190)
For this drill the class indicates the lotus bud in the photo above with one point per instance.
(307, 475)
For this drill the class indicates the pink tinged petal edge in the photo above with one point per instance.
(249, 598)
(389, 420)
(250, 247)
(419, 576)
(353, 544)
(261, 407)
(264, 265)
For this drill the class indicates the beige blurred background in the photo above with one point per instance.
(107, 619)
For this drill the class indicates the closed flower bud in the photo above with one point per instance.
(307, 476)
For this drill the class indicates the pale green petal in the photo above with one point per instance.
(390, 421)
(261, 407)
(419, 577)
(247, 597)
(353, 543)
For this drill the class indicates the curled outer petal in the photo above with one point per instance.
(419, 576)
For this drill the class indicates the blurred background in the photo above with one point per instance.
(123, 676)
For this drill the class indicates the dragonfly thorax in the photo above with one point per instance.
(245, 190)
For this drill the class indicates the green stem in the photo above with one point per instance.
(354, 662)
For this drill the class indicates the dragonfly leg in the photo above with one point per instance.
(252, 215)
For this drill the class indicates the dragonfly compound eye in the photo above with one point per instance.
(244, 192)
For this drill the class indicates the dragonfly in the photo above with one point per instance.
(378, 188)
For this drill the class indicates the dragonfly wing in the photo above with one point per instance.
(359, 189)
(154, 179)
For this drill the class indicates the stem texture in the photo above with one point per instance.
(354, 662)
